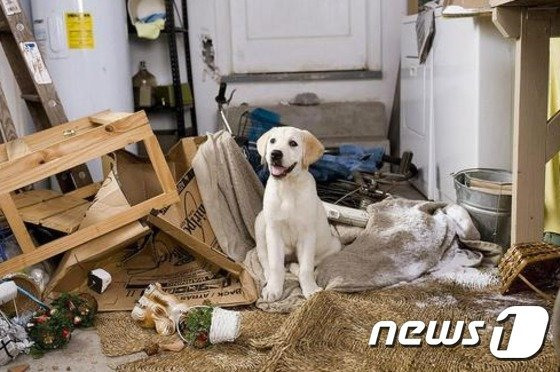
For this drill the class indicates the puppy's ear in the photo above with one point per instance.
(312, 149)
(262, 142)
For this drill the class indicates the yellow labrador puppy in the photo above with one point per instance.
(293, 222)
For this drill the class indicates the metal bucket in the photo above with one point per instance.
(491, 213)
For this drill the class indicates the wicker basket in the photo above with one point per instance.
(529, 265)
(22, 302)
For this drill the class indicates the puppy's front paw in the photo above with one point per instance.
(271, 293)
(309, 291)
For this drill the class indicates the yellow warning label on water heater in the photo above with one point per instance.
(79, 29)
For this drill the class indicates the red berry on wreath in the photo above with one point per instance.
(41, 319)
(66, 333)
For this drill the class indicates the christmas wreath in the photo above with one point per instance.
(51, 329)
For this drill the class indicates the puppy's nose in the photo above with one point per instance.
(276, 155)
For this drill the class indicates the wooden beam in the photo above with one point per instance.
(16, 224)
(108, 117)
(86, 234)
(507, 21)
(86, 191)
(529, 133)
(68, 153)
(553, 136)
(36, 213)
(159, 164)
(196, 246)
(67, 221)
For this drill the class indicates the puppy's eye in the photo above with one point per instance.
(293, 143)
(273, 140)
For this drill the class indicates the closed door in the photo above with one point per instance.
(303, 35)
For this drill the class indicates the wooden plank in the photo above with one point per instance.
(67, 221)
(86, 234)
(44, 139)
(507, 21)
(16, 224)
(108, 117)
(159, 164)
(31, 197)
(195, 245)
(38, 212)
(67, 154)
(86, 191)
(7, 127)
(553, 136)
(525, 3)
(529, 134)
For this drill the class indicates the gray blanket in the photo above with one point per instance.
(231, 192)
(403, 239)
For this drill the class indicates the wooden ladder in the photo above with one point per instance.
(35, 83)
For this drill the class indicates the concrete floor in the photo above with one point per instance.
(83, 353)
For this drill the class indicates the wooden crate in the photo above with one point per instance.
(43, 154)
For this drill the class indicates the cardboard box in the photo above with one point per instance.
(185, 256)
(187, 224)
(181, 273)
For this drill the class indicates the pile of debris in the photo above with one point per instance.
(144, 223)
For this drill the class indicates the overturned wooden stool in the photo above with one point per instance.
(529, 265)
(41, 155)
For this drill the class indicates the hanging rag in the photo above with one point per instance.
(150, 30)
(231, 192)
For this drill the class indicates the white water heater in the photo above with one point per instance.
(85, 45)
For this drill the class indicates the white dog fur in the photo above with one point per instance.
(293, 222)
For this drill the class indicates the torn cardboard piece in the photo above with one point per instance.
(109, 201)
(187, 224)
(180, 273)
(73, 268)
